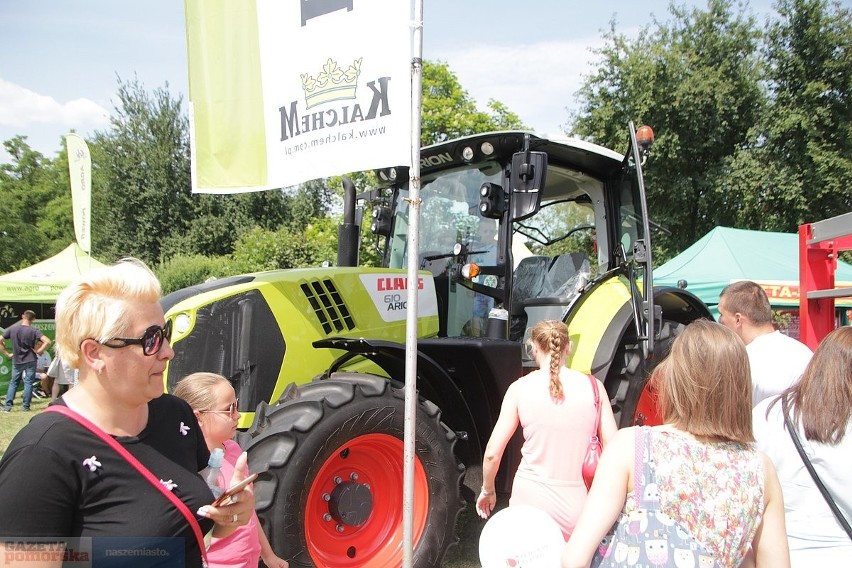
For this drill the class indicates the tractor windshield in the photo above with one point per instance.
(449, 223)
(588, 221)
(453, 232)
(449, 215)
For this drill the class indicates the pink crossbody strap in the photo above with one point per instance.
(597, 403)
(641, 435)
(144, 471)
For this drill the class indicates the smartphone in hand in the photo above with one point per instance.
(234, 489)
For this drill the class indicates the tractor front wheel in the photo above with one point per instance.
(330, 491)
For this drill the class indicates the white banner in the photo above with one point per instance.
(80, 169)
(285, 92)
(389, 293)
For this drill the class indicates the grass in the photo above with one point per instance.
(464, 555)
(11, 422)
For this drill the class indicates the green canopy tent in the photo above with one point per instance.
(42, 282)
(36, 288)
(725, 255)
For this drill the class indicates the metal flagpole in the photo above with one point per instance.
(411, 316)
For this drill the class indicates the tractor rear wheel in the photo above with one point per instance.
(635, 399)
(330, 491)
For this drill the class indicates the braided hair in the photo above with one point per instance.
(551, 336)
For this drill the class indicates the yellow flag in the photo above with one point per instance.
(80, 168)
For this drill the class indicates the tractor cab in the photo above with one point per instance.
(515, 227)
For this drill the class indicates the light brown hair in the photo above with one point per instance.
(822, 399)
(748, 299)
(197, 389)
(705, 384)
(29, 315)
(551, 336)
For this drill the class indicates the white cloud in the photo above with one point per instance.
(536, 81)
(23, 108)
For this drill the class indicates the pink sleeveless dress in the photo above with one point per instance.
(556, 436)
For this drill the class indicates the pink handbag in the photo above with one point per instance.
(593, 454)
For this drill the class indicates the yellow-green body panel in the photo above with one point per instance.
(299, 324)
(590, 321)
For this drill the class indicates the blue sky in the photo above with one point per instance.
(61, 57)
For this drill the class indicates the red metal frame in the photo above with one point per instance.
(819, 245)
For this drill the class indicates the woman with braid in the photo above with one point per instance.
(555, 407)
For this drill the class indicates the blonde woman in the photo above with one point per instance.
(117, 457)
(214, 403)
(704, 495)
(555, 407)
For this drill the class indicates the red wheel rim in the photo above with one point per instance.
(376, 462)
(647, 408)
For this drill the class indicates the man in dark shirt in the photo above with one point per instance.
(27, 343)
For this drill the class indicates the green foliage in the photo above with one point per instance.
(141, 184)
(754, 128)
(696, 81)
(259, 249)
(37, 209)
(142, 195)
(183, 271)
(798, 167)
(448, 111)
(308, 201)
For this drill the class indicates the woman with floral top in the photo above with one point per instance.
(694, 491)
(110, 326)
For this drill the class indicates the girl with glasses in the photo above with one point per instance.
(115, 456)
(215, 405)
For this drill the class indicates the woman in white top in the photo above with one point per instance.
(820, 406)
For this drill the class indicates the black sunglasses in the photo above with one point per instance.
(151, 341)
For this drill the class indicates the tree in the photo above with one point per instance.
(285, 248)
(144, 204)
(141, 185)
(799, 166)
(141, 200)
(310, 200)
(219, 221)
(56, 219)
(696, 81)
(37, 218)
(449, 111)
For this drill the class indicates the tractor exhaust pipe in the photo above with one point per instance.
(348, 231)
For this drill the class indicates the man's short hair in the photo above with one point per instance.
(749, 299)
(28, 315)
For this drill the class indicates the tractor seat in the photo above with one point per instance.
(561, 278)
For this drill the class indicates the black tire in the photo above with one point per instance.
(629, 370)
(310, 444)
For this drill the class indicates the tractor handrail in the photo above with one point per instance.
(819, 245)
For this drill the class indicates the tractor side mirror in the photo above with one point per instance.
(527, 180)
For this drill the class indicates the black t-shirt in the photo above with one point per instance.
(24, 339)
(59, 479)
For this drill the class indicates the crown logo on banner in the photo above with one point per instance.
(332, 84)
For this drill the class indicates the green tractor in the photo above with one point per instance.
(514, 229)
